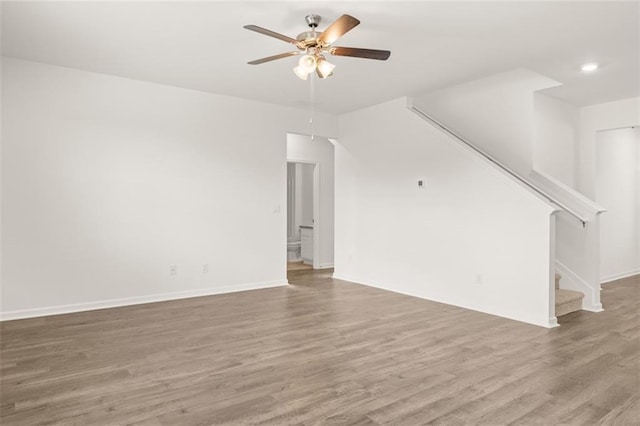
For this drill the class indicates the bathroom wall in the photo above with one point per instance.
(305, 176)
(291, 202)
(321, 151)
(299, 198)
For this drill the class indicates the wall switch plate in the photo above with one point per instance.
(479, 279)
(205, 268)
(173, 270)
(421, 183)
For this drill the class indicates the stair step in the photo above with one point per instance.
(568, 301)
(558, 276)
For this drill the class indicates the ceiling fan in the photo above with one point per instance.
(315, 45)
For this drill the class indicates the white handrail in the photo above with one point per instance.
(506, 169)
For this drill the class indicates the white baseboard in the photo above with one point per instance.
(594, 308)
(620, 276)
(127, 301)
(353, 280)
(325, 266)
(546, 323)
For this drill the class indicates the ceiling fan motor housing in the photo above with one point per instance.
(309, 39)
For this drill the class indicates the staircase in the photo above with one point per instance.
(567, 301)
(576, 223)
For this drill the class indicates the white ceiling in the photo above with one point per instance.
(202, 45)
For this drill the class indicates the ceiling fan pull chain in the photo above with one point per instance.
(313, 78)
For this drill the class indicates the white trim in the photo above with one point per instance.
(548, 323)
(572, 281)
(585, 205)
(326, 266)
(620, 276)
(595, 308)
(551, 288)
(317, 219)
(127, 301)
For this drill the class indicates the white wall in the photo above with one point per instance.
(106, 182)
(611, 115)
(617, 189)
(320, 150)
(495, 113)
(470, 223)
(555, 138)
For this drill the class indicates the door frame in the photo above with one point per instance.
(317, 220)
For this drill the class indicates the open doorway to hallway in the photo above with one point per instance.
(310, 202)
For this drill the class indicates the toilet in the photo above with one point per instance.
(293, 251)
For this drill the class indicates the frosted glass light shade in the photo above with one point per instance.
(300, 72)
(308, 63)
(325, 68)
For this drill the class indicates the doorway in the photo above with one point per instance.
(301, 213)
(310, 202)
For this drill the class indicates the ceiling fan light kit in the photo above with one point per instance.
(314, 45)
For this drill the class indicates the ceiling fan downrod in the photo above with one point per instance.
(313, 20)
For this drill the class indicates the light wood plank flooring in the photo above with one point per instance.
(297, 266)
(322, 351)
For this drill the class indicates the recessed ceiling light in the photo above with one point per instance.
(590, 67)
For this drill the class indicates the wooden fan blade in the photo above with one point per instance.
(273, 58)
(271, 34)
(381, 55)
(340, 27)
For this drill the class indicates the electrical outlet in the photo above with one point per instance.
(173, 270)
(421, 183)
(205, 268)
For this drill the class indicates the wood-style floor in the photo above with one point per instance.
(297, 266)
(322, 351)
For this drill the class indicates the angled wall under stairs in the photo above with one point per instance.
(469, 236)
